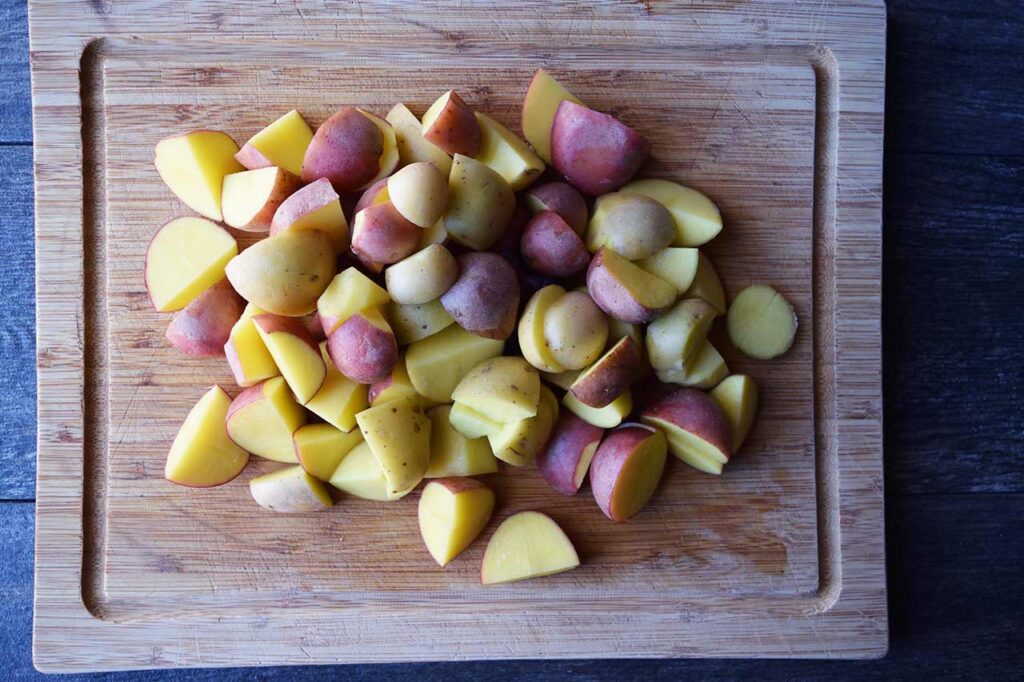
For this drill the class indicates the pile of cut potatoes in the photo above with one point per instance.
(436, 298)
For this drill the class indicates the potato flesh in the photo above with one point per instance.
(290, 490)
(321, 447)
(518, 442)
(675, 265)
(539, 107)
(284, 142)
(607, 417)
(504, 389)
(348, 293)
(412, 146)
(472, 424)
(532, 341)
(415, 322)
(450, 521)
(398, 434)
(451, 453)
(202, 454)
(284, 274)
(339, 398)
(737, 396)
(265, 427)
(706, 285)
(248, 357)
(761, 322)
(676, 335)
(360, 474)
(703, 369)
(480, 204)
(186, 257)
(697, 219)
(437, 363)
(420, 193)
(423, 276)
(502, 151)
(194, 165)
(301, 365)
(527, 545)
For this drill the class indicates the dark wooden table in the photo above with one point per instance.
(954, 372)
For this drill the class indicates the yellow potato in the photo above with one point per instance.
(284, 274)
(527, 545)
(631, 225)
(761, 322)
(437, 363)
(412, 146)
(607, 417)
(575, 330)
(703, 369)
(532, 342)
(263, 418)
(737, 396)
(420, 193)
(247, 355)
(677, 334)
(202, 455)
(697, 219)
(348, 293)
(423, 276)
(398, 434)
(480, 204)
(675, 265)
(451, 453)
(339, 398)
(290, 490)
(706, 285)
(414, 322)
(194, 165)
(186, 257)
(283, 143)
(503, 389)
(359, 474)
(505, 153)
(321, 447)
(539, 107)
(518, 442)
(452, 513)
(470, 423)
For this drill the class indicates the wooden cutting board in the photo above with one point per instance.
(775, 110)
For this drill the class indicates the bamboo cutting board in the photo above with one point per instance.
(774, 109)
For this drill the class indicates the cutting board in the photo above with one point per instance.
(774, 110)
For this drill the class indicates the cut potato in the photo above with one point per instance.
(314, 207)
(381, 236)
(607, 417)
(423, 276)
(626, 470)
(452, 513)
(450, 124)
(295, 352)
(504, 389)
(566, 458)
(527, 545)
(551, 247)
(533, 343)
(451, 453)
(388, 161)
(506, 154)
(339, 398)
(321, 447)
(186, 257)
(595, 152)
(675, 265)
(631, 225)
(263, 418)
(626, 292)
(561, 198)
(360, 474)
(412, 146)
(485, 297)
(610, 375)
(413, 323)
(737, 396)
(697, 429)
(437, 363)
(364, 347)
(247, 355)
(202, 455)
(348, 293)
(251, 198)
(703, 369)
(398, 434)
(480, 204)
(575, 330)
(697, 219)
(290, 490)
(420, 193)
(194, 165)
(201, 328)
(761, 322)
(706, 285)
(518, 442)
(677, 334)
(539, 107)
(284, 274)
(283, 143)
(472, 424)
(395, 385)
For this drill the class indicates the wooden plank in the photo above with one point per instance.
(17, 327)
(15, 103)
(957, 73)
(953, 568)
(954, 323)
(782, 557)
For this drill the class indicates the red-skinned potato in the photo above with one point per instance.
(251, 198)
(450, 124)
(565, 459)
(610, 375)
(346, 149)
(595, 152)
(697, 429)
(295, 352)
(314, 207)
(363, 348)
(551, 247)
(625, 291)
(381, 236)
(485, 297)
(262, 419)
(412, 146)
(377, 193)
(626, 470)
(203, 326)
(539, 107)
(563, 199)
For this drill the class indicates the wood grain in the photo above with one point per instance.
(781, 557)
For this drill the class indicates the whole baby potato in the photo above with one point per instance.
(631, 225)
(284, 274)
(485, 297)
(423, 276)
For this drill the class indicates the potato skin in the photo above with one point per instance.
(381, 236)
(480, 204)
(595, 152)
(201, 328)
(563, 199)
(558, 460)
(576, 330)
(362, 351)
(455, 130)
(551, 247)
(614, 297)
(632, 225)
(423, 276)
(485, 298)
(284, 274)
(611, 375)
(346, 149)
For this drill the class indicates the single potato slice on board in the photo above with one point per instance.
(452, 513)
(761, 322)
(186, 257)
(194, 165)
(202, 455)
(290, 490)
(527, 545)
(263, 418)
